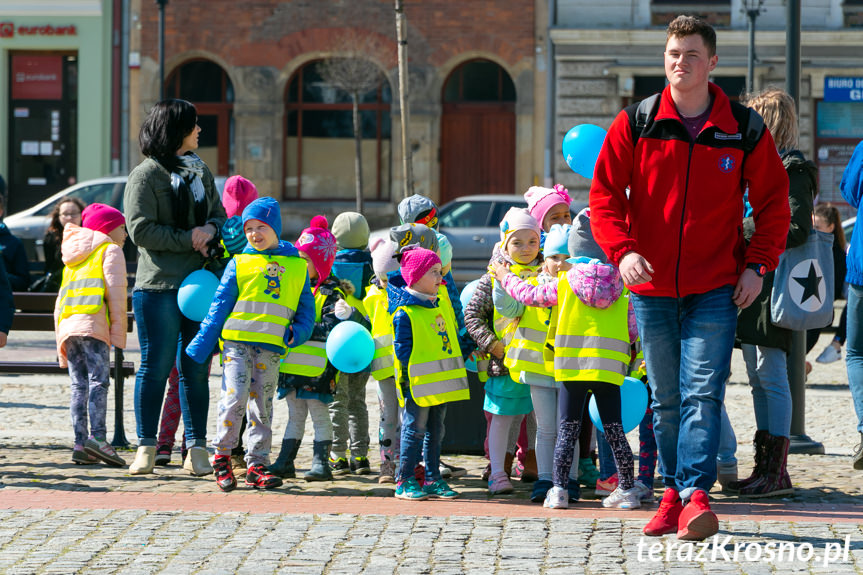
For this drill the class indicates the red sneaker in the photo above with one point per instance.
(666, 518)
(697, 521)
(224, 474)
(258, 477)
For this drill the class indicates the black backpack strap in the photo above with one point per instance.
(643, 115)
(751, 126)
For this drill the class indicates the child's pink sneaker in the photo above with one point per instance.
(499, 483)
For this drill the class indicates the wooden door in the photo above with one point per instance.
(477, 149)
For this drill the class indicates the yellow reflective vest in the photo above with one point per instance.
(526, 350)
(590, 344)
(82, 289)
(270, 288)
(436, 372)
(310, 358)
(376, 303)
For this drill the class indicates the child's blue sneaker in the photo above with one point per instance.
(440, 490)
(540, 488)
(411, 491)
(574, 490)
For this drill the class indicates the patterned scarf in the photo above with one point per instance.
(186, 178)
(191, 168)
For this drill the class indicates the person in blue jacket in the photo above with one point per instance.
(14, 255)
(851, 187)
(248, 314)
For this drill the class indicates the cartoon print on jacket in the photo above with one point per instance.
(439, 325)
(273, 275)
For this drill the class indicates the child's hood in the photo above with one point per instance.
(596, 284)
(398, 295)
(285, 248)
(79, 243)
(352, 264)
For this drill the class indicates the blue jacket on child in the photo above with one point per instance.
(201, 347)
(852, 190)
(356, 267)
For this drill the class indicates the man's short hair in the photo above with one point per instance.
(683, 26)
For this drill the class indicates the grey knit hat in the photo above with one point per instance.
(418, 209)
(351, 230)
(581, 242)
(412, 235)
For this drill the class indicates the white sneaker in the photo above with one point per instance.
(830, 354)
(556, 498)
(622, 499)
(643, 492)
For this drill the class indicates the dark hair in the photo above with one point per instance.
(54, 227)
(830, 214)
(162, 132)
(683, 26)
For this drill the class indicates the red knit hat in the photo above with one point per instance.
(416, 262)
(319, 245)
(102, 218)
(239, 193)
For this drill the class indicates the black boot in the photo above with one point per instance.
(283, 466)
(320, 470)
(760, 469)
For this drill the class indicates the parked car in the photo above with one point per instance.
(29, 225)
(471, 225)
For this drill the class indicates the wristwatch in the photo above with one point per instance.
(760, 269)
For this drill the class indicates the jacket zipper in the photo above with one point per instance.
(682, 218)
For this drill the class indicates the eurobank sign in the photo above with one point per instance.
(843, 89)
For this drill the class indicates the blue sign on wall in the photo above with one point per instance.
(843, 89)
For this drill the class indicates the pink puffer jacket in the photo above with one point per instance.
(78, 244)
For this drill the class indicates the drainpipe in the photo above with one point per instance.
(550, 110)
(124, 92)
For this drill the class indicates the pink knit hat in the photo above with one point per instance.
(416, 262)
(239, 193)
(541, 200)
(319, 245)
(383, 261)
(102, 218)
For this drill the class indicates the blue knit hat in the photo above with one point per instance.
(266, 210)
(557, 240)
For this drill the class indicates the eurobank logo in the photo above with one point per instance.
(7, 29)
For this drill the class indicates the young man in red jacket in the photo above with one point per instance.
(667, 207)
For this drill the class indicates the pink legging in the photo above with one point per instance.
(171, 412)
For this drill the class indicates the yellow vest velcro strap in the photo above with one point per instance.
(531, 334)
(592, 342)
(435, 366)
(419, 390)
(585, 363)
(382, 362)
(254, 326)
(264, 308)
(83, 300)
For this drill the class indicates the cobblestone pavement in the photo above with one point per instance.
(51, 520)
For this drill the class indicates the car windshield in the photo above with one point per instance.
(97, 193)
(467, 214)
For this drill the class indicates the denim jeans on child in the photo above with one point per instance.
(422, 433)
(88, 369)
(164, 333)
(767, 368)
(687, 346)
(854, 347)
(726, 453)
(249, 379)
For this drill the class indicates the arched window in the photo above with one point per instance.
(208, 87)
(319, 139)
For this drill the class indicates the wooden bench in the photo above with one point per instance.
(37, 314)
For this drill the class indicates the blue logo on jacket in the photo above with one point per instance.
(726, 163)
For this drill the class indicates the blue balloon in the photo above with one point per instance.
(196, 293)
(467, 292)
(633, 405)
(581, 147)
(350, 347)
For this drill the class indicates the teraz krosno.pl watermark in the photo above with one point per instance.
(719, 549)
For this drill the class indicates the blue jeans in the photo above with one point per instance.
(422, 434)
(854, 350)
(164, 333)
(687, 345)
(767, 368)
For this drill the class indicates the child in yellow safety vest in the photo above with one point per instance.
(377, 304)
(429, 369)
(506, 400)
(262, 307)
(591, 338)
(89, 317)
(308, 380)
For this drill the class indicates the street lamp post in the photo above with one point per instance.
(162, 4)
(752, 9)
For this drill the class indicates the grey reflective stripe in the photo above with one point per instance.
(438, 387)
(85, 283)
(436, 366)
(383, 340)
(530, 334)
(582, 363)
(524, 354)
(264, 308)
(383, 362)
(83, 300)
(300, 358)
(255, 326)
(591, 342)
